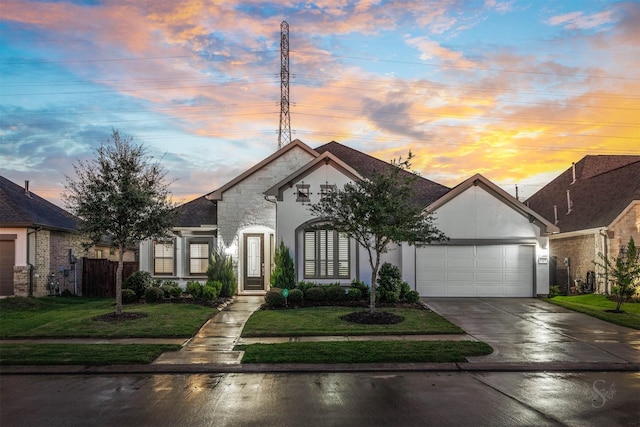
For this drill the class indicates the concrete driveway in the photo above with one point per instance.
(528, 330)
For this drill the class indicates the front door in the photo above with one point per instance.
(253, 262)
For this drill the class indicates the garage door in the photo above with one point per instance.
(475, 271)
(7, 261)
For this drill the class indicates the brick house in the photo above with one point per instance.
(497, 247)
(596, 205)
(39, 242)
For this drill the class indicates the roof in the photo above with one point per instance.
(217, 194)
(21, 208)
(197, 212)
(604, 186)
(324, 158)
(426, 191)
(546, 226)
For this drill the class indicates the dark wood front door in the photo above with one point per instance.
(253, 262)
(7, 261)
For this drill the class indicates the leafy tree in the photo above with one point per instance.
(379, 211)
(283, 275)
(624, 270)
(121, 194)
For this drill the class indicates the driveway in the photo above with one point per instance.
(528, 330)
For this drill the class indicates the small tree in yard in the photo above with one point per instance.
(379, 211)
(283, 275)
(120, 194)
(221, 270)
(624, 270)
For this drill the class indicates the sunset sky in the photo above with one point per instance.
(515, 90)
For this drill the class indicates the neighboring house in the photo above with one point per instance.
(498, 246)
(39, 242)
(596, 205)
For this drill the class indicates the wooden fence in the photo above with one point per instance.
(99, 276)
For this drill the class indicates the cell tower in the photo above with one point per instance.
(284, 136)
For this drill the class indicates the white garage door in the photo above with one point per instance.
(475, 271)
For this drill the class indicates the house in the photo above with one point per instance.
(596, 205)
(497, 246)
(39, 243)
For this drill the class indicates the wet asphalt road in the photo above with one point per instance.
(323, 399)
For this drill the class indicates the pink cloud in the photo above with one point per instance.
(580, 21)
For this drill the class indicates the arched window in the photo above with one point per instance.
(326, 254)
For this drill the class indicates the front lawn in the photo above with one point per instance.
(596, 306)
(81, 354)
(72, 317)
(364, 352)
(323, 321)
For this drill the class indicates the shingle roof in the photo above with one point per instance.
(196, 213)
(604, 187)
(426, 191)
(19, 209)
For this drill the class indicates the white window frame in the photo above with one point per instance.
(171, 260)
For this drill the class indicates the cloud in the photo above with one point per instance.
(581, 21)
(430, 49)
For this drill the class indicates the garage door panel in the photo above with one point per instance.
(468, 271)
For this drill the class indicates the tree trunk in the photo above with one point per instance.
(119, 281)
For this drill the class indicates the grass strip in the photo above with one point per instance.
(323, 321)
(364, 352)
(596, 306)
(82, 354)
(72, 317)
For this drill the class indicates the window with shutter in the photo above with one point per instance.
(326, 254)
(163, 258)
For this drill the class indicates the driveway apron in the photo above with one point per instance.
(528, 330)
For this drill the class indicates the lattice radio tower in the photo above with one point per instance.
(284, 135)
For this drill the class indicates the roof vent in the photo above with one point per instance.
(569, 202)
(573, 172)
(555, 214)
(26, 188)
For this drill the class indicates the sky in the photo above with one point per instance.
(514, 90)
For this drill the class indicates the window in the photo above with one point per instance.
(163, 258)
(198, 257)
(326, 189)
(302, 193)
(326, 254)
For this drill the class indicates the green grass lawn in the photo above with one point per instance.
(364, 352)
(81, 354)
(596, 306)
(322, 321)
(72, 317)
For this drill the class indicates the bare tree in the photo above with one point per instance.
(122, 194)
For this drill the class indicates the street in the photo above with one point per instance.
(323, 399)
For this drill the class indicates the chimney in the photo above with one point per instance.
(26, 188)
(573, 172)
(569, 202)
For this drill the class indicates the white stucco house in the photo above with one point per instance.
(497, 246)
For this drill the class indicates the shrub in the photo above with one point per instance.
(412, 296)
(274, 298)
(404, 290)
(390, 283)
(138, 282)
(391, 297)
(129, 296)
(354, 294)
(221, 270)
(166, 289)
(364, 289)
(296, 297)
(208, 293)
(215, 285)
(314, 294)
(334, 293)
(554, 291)
(283, 275)
(303, 286)
(176, 291)
(194, 289)
(153, 294)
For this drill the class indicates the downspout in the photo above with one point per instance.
(605, 250)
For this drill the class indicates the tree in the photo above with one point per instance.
(379, 211)
(120, 194)
(624, 270)
(220, 269)
(283, 275)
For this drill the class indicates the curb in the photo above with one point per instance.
(316, 368)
